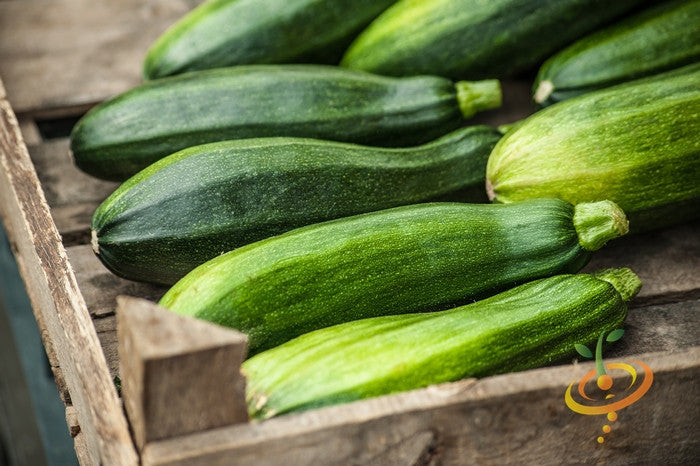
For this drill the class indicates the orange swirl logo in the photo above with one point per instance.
(606, 399)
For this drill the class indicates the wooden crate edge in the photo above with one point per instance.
(461, 423)
(58, 305)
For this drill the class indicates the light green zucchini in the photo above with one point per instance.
(635, 144)
(532, 325)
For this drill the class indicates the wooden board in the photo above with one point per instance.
(174, 370)
(60, 57)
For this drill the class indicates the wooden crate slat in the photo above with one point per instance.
(665, 260)
(179, 374)
(106, 328)
(30, 131)
(73, 222)
(660, 327)
(72, 194)
(59, 57)
(510, 419)
(56, 298)
(65, 184)
(100, 287)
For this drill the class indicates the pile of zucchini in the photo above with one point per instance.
(306, 171)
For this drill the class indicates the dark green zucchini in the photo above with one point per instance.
(193, 205)
(126, 134)
(529, 326)
(648, 43)
(635, 144)
(475, 39)
(222, 33)
(410, 259)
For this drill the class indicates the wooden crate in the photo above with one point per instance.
(60, 57)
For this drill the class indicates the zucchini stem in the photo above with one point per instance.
(597, 223)
(625, 281)
(476, 96)
(544, 90)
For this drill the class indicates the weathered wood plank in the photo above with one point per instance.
(72, 421)
(106, 328)
(30, 131)
(662, 327)
(665, 260)
(65, 184)
(72, 194)
(100, 287)
(174, 370)
(60, 57)
(516, 418)
(82, 450)
(56, 299)
(73, 222)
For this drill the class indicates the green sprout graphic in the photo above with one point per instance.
(604, 380)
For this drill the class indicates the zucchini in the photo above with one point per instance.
(222, 33)
(193, 205)
(475, 39)
(635, 144)
(532, 325)
(648, 43)
(129, 132)
(411, 258)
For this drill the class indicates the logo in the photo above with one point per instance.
(601, 397)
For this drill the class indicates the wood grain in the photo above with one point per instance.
(72, 194)
(65, 184)
(511, 419)
(56, 299)
(72, 421)
(100, 287)
(667, 262)
(60, 57)
(179, 375)
(30, 131)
